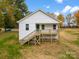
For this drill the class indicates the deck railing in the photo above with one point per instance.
(48, 31)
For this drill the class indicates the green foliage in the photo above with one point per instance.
(8, 23)
(61, 18)
(14, 9)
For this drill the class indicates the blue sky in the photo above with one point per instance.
(54, 6)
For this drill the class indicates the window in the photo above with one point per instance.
(43, 27)
(37, 26)
(54, 26)
(27, 26)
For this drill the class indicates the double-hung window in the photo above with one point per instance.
(27, 26)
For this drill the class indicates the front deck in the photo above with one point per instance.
(44, 36)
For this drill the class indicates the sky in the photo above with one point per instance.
(53, 6)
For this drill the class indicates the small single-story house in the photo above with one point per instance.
(37, 26)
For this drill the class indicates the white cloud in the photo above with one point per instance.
(66, 9)
(57, 13)
(48, 7)
(74, 9)
(69, 9)
(59, 1)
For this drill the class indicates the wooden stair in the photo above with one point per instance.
(28, 37)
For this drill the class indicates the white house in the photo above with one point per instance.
(37, 26)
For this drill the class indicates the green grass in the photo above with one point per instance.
(11, 49)
(9, 44)
(76, 42)
(67, 55)
(73, 32)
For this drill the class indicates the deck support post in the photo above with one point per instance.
(42, 38)
(35, 41)
(51, 36)
(28, 42)
(58, 32)
(39, 38)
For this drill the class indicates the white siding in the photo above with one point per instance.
(22, 29)
(38, 17)
(50, 26)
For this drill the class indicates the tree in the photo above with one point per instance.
(1, 19)
(7, 22)
(68, 18)
(6, 8)
(14, 9)
(77, 17)
(61, 18)
(20, 9)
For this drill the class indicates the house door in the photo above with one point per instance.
(54, 26)
(37, 27)
(42, 26)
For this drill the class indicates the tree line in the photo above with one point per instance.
(71, 19)
(11, 11)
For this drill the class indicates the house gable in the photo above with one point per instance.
(38, 17)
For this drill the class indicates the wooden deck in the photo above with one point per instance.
(45, 35)
(42, 35)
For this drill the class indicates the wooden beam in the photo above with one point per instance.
(51, 37)
(28, 42)
(35, 41)
(42, 38)
(39, 39)
(58, 32)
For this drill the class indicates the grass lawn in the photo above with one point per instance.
(66, 48)
(75, 33)
(9, 47)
